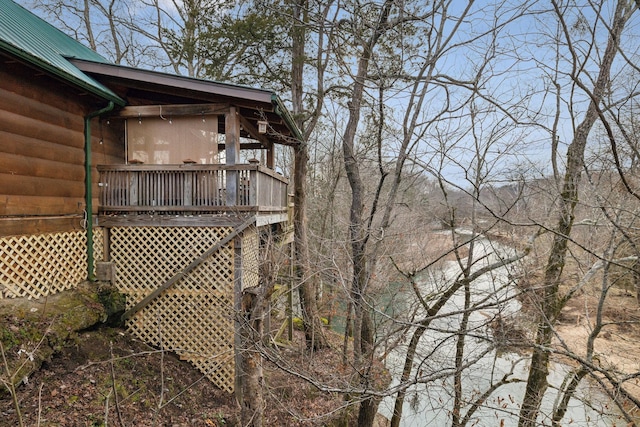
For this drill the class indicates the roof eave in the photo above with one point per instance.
(106, 94)
(170, 80)
(283, 112)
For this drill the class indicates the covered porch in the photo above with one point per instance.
(189, 152)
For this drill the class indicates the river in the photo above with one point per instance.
(429, 403)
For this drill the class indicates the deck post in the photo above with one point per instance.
(188, 189)
(270, 156)
(237, 305)
(232, 154)
(133, 189)
(253, 187)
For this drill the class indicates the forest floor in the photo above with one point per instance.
(617, 348)
(107, 378)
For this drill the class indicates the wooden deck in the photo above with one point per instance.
(131, 193)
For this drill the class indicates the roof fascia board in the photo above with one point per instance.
(283, 112)
(182, 82)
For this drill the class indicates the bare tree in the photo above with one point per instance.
(148, 33)
(552, 300)
(312, 324)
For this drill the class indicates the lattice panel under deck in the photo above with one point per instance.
(250, 259)
(98, 245)
(39, 265)
(195, 316)
(196, 325)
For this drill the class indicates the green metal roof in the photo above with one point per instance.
(35, 41)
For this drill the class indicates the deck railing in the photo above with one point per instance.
(191, 188)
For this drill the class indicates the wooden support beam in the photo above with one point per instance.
(246, 146)
(270, 156)
(232, 153)
(151, 220)
(232, 137)
(246, 124)
(173, 110)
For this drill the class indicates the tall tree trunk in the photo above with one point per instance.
(254, 308)
(458, 401)
(636, 278)
(252, 405)
(363, 337)
(431, 313)
(552, 301)
(406, 371)
(313, 329)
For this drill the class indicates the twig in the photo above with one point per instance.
(160, 402)
(11, 386)
(161, 373)
(40, 403)
(106, 409)
(113, 384)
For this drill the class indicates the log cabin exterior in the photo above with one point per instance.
(138, 177)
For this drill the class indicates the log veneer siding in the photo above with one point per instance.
(42, 152)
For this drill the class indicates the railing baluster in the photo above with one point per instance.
(175, 193)
(170, 198)
(221, 184)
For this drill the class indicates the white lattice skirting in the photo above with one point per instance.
(195, 316)
(39, 265)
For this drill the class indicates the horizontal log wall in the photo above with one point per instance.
(42, 168)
